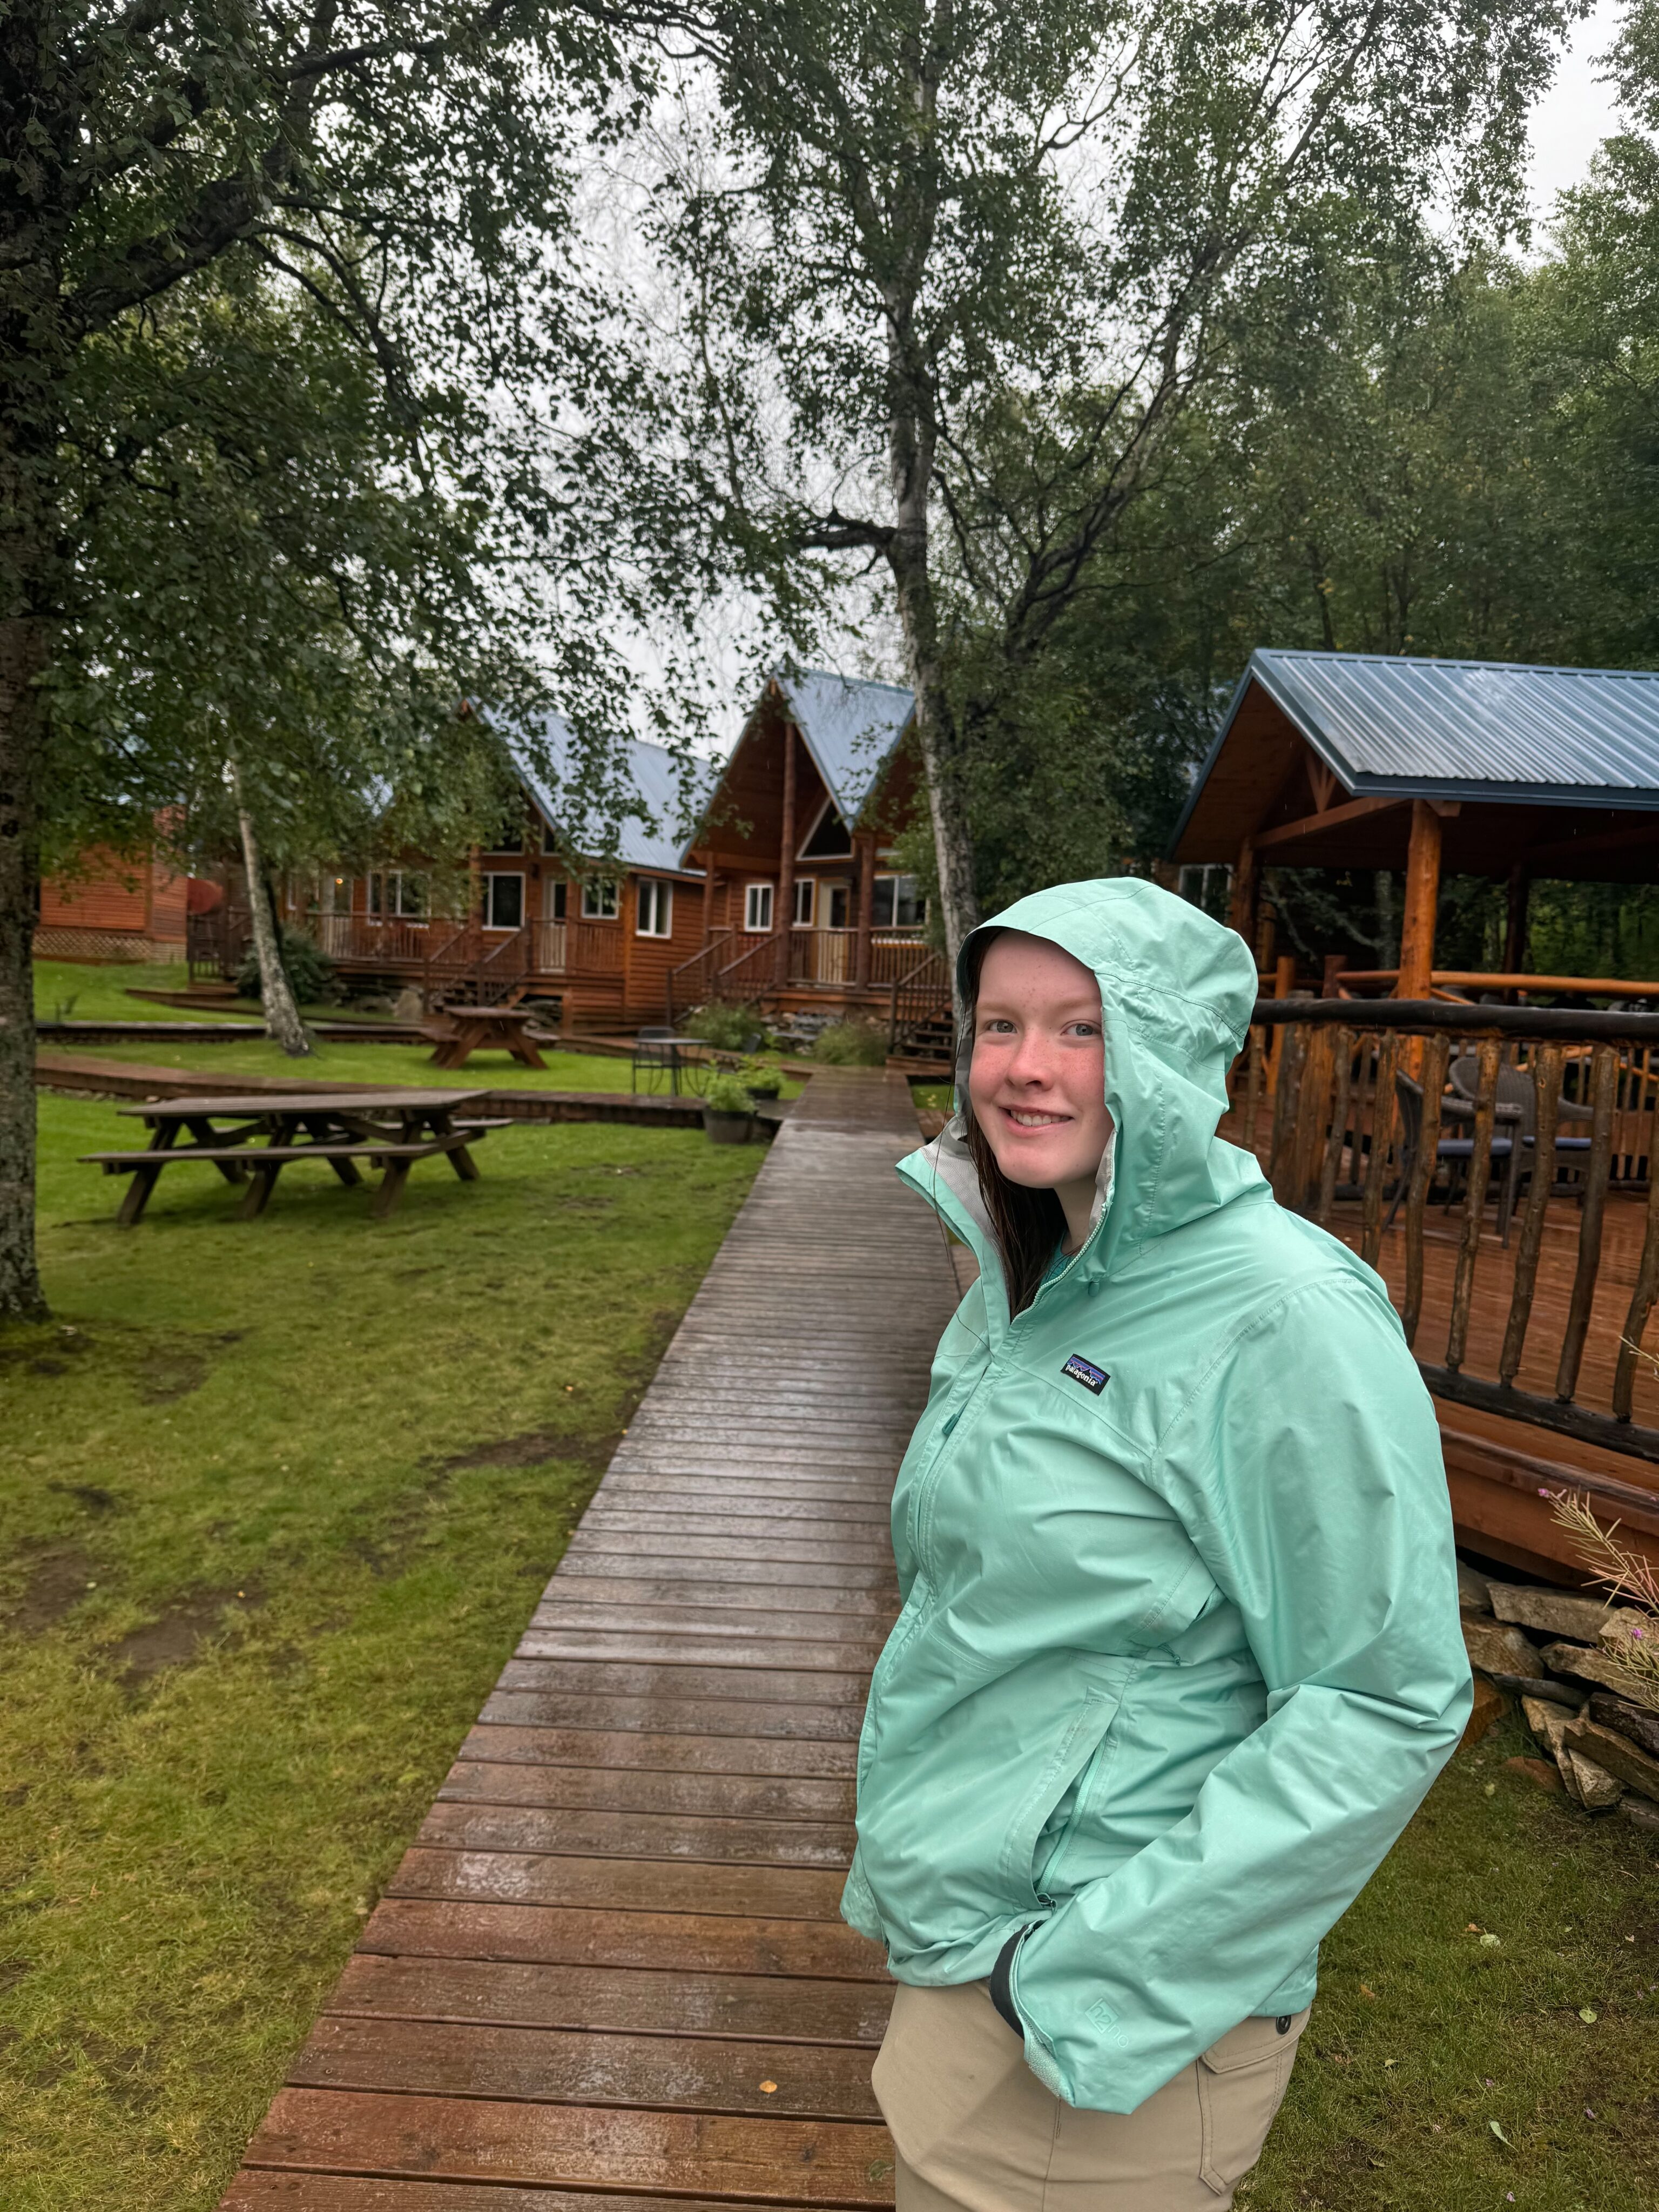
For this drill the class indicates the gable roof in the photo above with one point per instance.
(850, 725)
(1501, 730)
(649, 838)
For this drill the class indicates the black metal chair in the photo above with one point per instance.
(1519, 1089)
(1456, 1152)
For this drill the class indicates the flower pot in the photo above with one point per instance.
(727, 1128)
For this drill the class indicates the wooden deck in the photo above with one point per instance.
(612, 1963)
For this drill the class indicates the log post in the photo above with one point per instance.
(1515, 928)
(1241, 906)
(1422, 895)
(785, 917)
(864, 844)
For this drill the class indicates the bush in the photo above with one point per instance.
(727, 1027)
(726, 1094)
(760, 1078)
(855, 1042)
(310, 973)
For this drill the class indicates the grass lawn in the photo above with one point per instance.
(278, 1498)
(1444, 2071)
(101, 993)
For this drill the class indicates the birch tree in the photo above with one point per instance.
(924, 231)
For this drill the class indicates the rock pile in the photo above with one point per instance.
(1597, 1720)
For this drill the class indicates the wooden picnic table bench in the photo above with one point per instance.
(388, 1129)
(458, 1032)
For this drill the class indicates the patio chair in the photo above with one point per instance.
(1517, 1089)
(1456, 1152)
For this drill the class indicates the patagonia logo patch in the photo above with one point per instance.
(1079, 1370)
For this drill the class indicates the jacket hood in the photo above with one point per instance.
(1176, 992)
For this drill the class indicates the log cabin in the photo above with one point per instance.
(111, 908)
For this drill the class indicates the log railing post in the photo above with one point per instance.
(1640, 1305)
(1604, 1077)
(1436, 1055)
(1337, 1137)
(1474, 1202)
(1547, 1085)
(1376, 1173)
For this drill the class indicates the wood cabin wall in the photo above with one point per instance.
(136, 905)
(647, 960)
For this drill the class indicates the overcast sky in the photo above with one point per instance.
(1576, 113)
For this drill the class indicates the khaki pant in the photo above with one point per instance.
(976, 2131)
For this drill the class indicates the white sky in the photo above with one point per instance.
(1576, 113)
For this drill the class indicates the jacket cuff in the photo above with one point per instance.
(1001, 1982)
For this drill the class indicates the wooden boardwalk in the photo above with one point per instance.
(612, 1961)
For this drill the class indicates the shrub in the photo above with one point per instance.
(727, 1027)
(310, 973)
(726, 1094)
(855, 1042)
(760, 1078)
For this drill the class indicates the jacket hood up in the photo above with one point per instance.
(1176, 992)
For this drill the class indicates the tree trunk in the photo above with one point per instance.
(21, 734)
(911, 458)
(282, 1015)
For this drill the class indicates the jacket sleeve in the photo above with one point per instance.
(1306, 1466)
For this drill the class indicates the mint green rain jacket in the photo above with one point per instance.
(1179, 1653)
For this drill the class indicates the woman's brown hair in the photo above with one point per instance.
(1029, 1224)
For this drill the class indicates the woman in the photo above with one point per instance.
(1179, 1653)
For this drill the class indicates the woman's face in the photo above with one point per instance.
(1036, 1081)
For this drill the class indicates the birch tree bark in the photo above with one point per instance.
(275, 993)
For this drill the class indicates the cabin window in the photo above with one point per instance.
(549, 838)
(757, 907)
(654, 909)
(898, 903)
(828, 839)
(393, 892)
(509, 838)
(503, 901)
(555, 898)
(805, 899)
(599, 899)
(837, 906)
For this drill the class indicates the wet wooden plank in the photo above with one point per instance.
(269, 2189)
(668, 1647)
(685, 1680)
(605, 2000)
(436, 1868)
(575, 2147)
(690, 1716)
(744, 1841)
(670, 1778)
(550, 2067)
(691, 1942)
(800, 1604)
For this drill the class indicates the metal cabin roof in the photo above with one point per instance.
(1464, 729)
(646, 838)
(850, 725)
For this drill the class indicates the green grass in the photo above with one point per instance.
(278, 1499)
(1424, 2035)
(938, 1096)
(101, 994)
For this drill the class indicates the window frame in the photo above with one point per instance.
(488, 877)
(809, 886)
(656, 893)
(595, 891)
(758, 896)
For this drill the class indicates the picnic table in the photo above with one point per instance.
(460, 1032)
(250, 1140)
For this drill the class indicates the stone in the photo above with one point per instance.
(1548, 1723)
(1627, 1719)
(1640, 1814)
(1600, 1667)
(1472, 1590)
(1490, 1707)
(407, 1007)
(1620, 1756)
(1536, 1770)
(1553, 1613)
(1597, 1790)
(1498, 1648)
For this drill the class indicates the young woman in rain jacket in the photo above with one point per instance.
(1179, 1653)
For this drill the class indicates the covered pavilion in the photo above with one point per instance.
(1348, 760)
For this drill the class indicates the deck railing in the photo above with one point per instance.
(1354, 1102)
(740, 964)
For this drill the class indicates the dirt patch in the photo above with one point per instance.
(170, 1374)
(59, 1577)
(582, 1447)
(175, 1638)
(87, 1495)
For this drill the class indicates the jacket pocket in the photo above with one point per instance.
(1241, 2079)
(911, 1616)
(1085, 1736)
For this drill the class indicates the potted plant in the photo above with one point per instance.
(728, 1115)
(760, 1078)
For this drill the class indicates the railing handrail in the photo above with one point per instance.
(1441, 1015)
